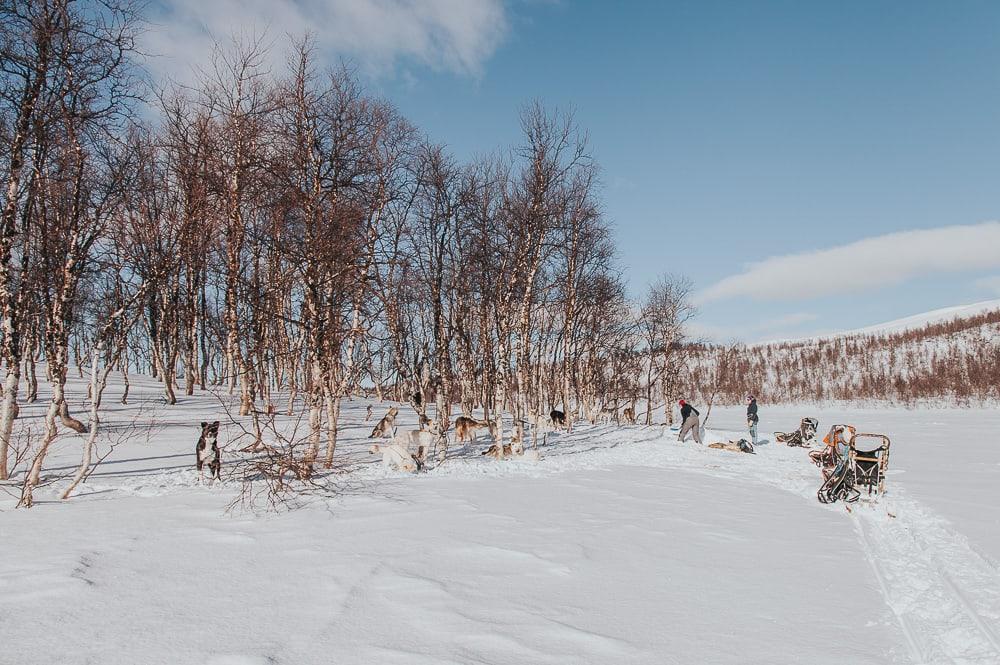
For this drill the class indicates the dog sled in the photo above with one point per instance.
(852, 462)
(803, 436)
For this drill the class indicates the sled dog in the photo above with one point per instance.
(465, 428)
(207, 450)
(629, 415)
(420, 441)
(741, 446)
(387, 426)
(395, 455)
(494, 451)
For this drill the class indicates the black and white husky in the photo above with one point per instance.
(207, 450)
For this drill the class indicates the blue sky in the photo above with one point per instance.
(729, 133)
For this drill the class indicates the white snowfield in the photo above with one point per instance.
(916, 321)
(621, 545)
(942, 315)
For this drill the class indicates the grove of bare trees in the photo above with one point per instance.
(285, 238)
(288, 238)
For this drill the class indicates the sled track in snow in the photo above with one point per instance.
(944, 595)
(911, 640)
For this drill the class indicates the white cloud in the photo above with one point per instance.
(452, 35)
(765, 328)
(870, 263)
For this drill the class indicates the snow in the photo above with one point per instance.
(934, 316)
(621, 545)
(915, 321)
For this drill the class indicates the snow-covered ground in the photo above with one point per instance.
(912, 322)
(934, 316)
(620, 545)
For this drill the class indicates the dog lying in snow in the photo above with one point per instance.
(509, 451)
(741, 446)
(494, 451)
(387, 426)
(531, 455)
(207, 450)
(395, 455)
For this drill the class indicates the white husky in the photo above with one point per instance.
(395, 455)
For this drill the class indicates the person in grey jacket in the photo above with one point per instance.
(752, 418)
(690, 422)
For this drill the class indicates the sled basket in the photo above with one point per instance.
(855, 470)
(803, 436)
(808, 428)
(871, 464)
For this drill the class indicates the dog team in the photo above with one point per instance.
(409, 451)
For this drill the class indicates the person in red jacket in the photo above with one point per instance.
(690, 422)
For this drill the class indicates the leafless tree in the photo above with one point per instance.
(662, 319)
(88, 88)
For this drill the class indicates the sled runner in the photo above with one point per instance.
(801, 437)
(852, 468)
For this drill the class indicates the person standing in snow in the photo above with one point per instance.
(689, 422)
(752, 418)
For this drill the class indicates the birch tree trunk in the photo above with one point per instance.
(8, 414)
(98, 381)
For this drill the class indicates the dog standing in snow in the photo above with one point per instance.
(608, 415)
(420, 441)
(396, 455)
(557, 418)
(629, 415)
(387, 426)
(542, 425)
(207, 450)
(465, 428)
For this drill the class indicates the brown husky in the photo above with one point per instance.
(465, 428)
(629, 415)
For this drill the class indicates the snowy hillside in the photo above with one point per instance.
(620, 545)
(913, 322)
(951, 356)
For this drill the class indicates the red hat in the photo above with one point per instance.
(681, 402)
